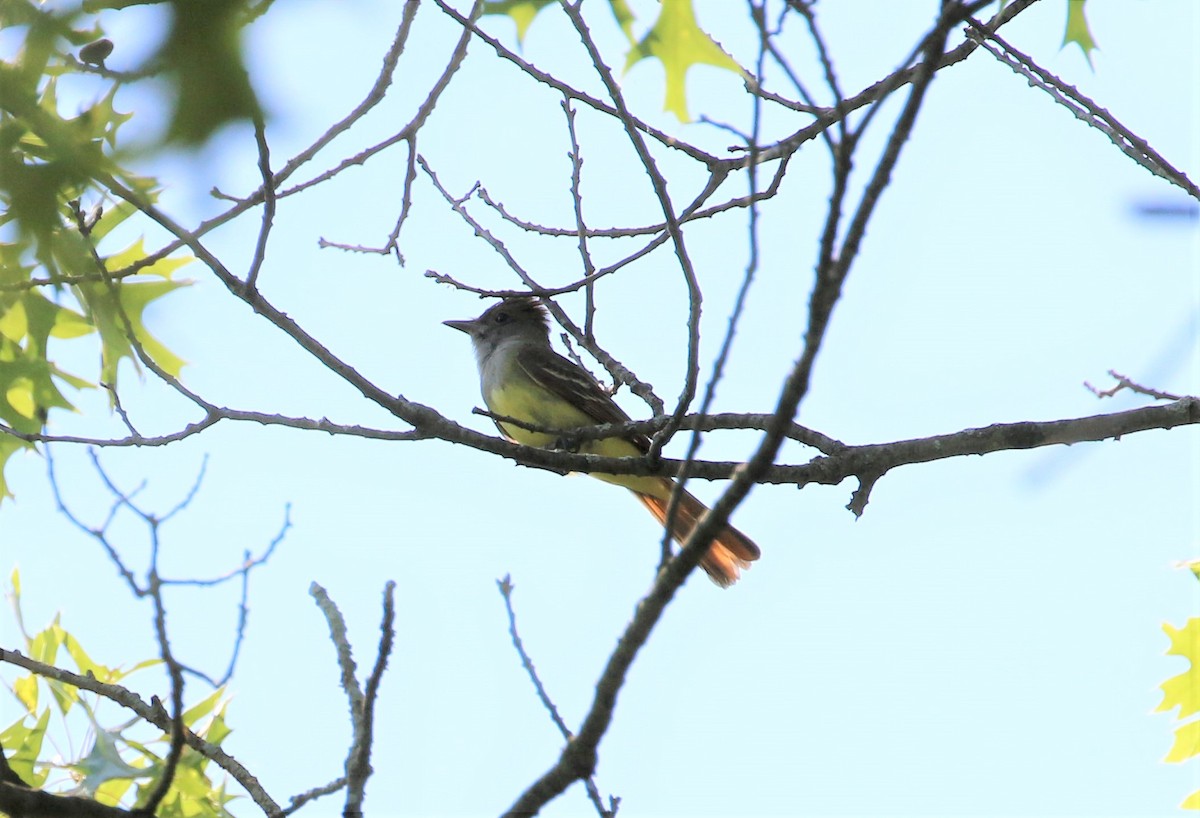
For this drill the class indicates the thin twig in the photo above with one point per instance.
(506, 591)
(341, 644)
(268, 190)
(1083, 108)
(298, 801)
(1124, 382)
(358, 761)
(619, 371)
(581, 231)
(659, 184)
(414, 125)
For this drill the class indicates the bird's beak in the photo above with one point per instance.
(464, 326)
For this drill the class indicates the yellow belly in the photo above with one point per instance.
(526, 405)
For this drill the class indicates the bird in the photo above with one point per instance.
(523, 379)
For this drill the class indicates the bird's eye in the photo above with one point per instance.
(500, 318)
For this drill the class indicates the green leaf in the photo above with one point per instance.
(27, 389)
(522, 12)
(12, 271)
(84, 662)
(110, 306)
(192, 794)
(101, 121)
(103, 762)
(624, 17)
(65, 695)
(1183, 691)
(44, 647)
(203, 57)
(45, 160)
(14, 598)
(46, 24)
(13, 325)
(135, 252)
(24, 744)
(218, 729)
(19, 397)
(70, 324)
(8, 447)
(45, 318)
(677, 41)
(26, 689)
(1191, 565)
(145, 663)
(1187, 742)
(202, 708)
(1078, 31)
(190, 779)
(112, 791)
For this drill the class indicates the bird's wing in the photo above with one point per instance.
(574, 384)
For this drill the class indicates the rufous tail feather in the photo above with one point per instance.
(731, 550)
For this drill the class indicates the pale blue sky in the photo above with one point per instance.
(986, 640)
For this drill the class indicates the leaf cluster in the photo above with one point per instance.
(118, 767)
(58, 279)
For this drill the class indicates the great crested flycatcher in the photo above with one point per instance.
(524, 379)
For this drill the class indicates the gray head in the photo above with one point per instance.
(513, 319)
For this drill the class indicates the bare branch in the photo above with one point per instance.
(22, 802)
(298, 801)
(842, 460)
(345, 657)
(408, 131)
(268, 190)
(566, 90)
(506, 591)
(1125, 383)
(1083, 108)
(358, 761)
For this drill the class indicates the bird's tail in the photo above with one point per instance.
(731, 550)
